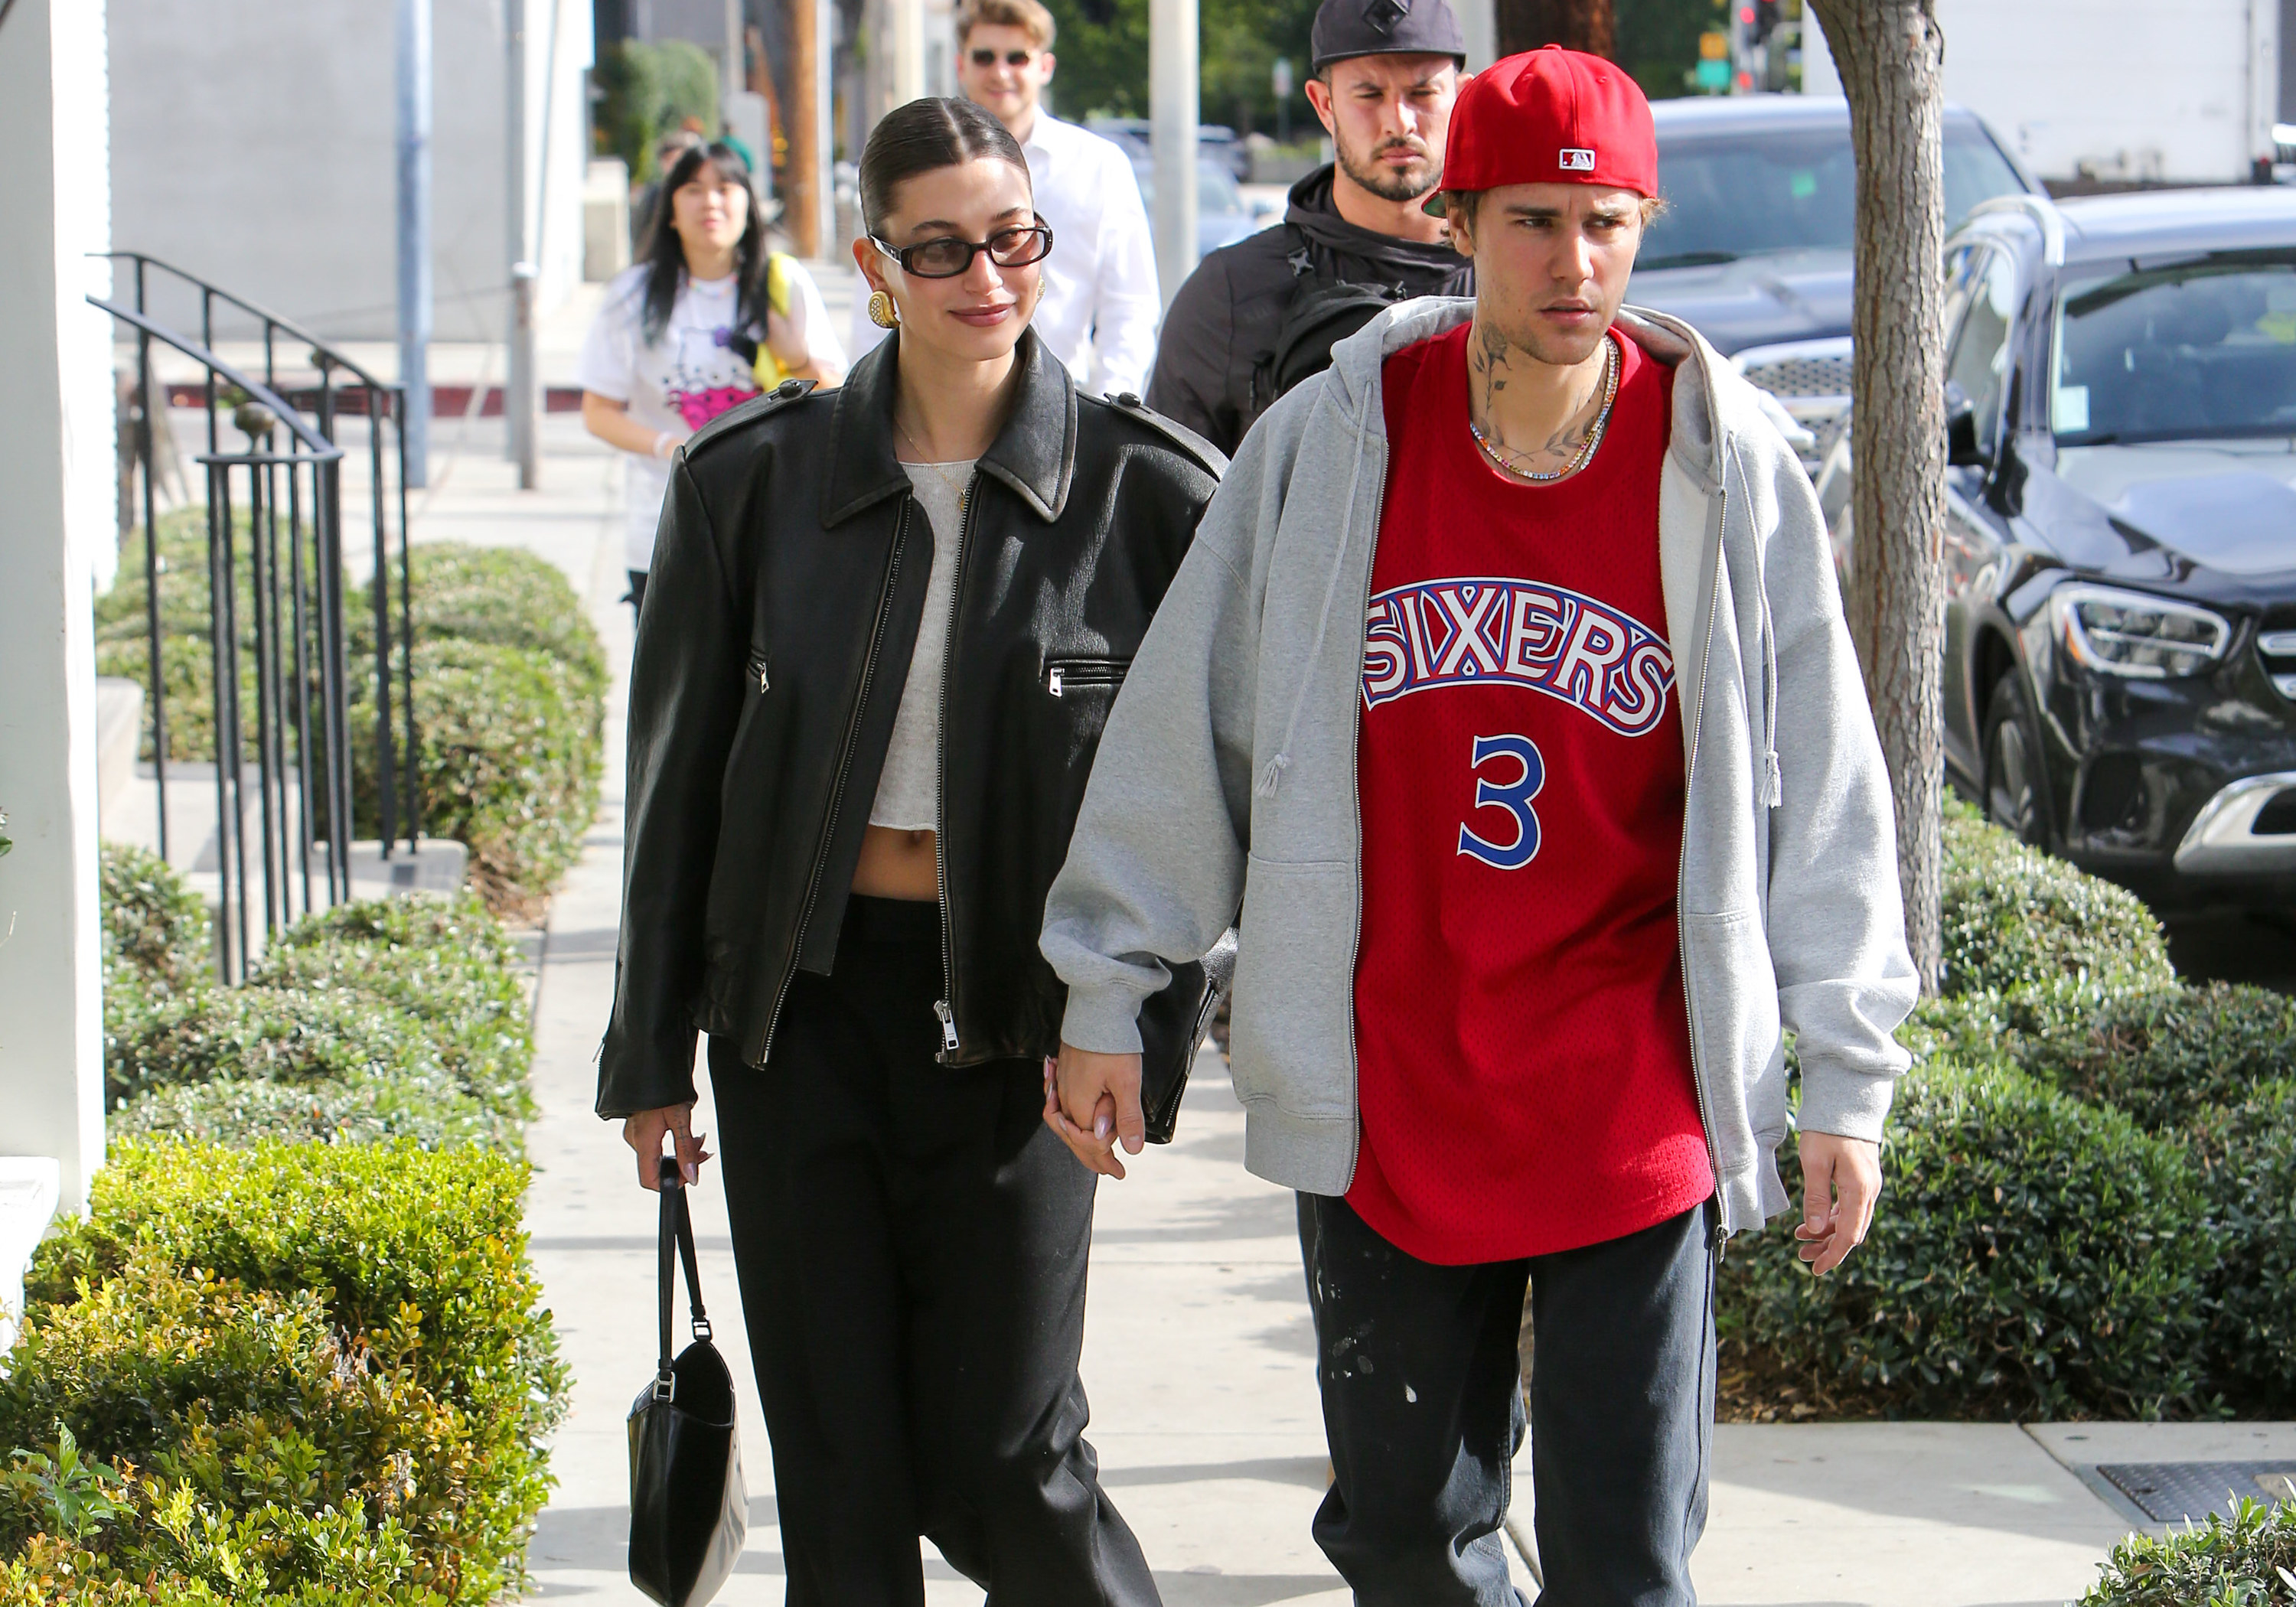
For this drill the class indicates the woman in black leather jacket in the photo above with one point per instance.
(881, 636)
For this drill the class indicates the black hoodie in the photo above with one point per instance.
(1222, 324)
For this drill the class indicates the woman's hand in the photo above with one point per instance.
(789, 350)
(644, 1133)
(1092, 1102)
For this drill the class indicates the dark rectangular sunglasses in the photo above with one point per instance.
(947, 256)
(1012, 58)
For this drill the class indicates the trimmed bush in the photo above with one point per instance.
(302, 1318)
(506, 596)
(509, 680)
(2033, 1257)
(511, 751)
(2013, 917)
(2164, 1052)
(2246, 1562)
(2246, 1153)
(393, 1018)
(154, 923)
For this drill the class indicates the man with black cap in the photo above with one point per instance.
(1257, 316)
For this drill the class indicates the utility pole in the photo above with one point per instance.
(413, 110)
(806, 124)
(1172, 89)
(521, 442)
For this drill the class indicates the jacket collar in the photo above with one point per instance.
(1035, 454)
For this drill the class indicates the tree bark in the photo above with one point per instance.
(1890, 56)
(1587, 25)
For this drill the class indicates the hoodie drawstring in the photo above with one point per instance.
(1773, 778)
(1272, 772)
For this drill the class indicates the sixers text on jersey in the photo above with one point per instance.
(1473, 630)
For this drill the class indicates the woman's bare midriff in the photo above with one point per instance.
(897, 864)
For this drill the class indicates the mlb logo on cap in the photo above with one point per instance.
(1550, 116)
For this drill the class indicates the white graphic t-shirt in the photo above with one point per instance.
(693, 371)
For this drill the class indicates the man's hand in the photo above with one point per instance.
(1092, 1102)
(644, 1133)
(1841, 1180)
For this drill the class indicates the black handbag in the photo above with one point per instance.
(689, 1509)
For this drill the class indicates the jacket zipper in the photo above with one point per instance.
(945, 1007)
(1355, 771)
(1681, 872)
(844, 769)
(758, 666)
(1062, 673)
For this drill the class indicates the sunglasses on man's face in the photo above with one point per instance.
(948, 256)
(1012, 58)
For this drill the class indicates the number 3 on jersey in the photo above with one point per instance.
(1513, 796)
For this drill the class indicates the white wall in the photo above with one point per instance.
(251, 145)
(56, 525)
(2130, 88)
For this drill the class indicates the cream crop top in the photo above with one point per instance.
(909, 788)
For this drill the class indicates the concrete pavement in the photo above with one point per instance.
(1198, 1356)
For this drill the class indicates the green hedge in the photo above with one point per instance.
(511, 746)
(328, 1362)
(2013, 917)
(393, 1018)
(510, 681)
(2248, 1562)
(2090, 1200)
(2034, 1255)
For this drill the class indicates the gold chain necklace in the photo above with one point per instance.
(961, 488)
(1499, 453)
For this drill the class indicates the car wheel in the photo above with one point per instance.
(2014, 785)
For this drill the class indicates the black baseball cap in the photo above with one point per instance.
(1384, 27)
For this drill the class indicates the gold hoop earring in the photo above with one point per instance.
(883, 313)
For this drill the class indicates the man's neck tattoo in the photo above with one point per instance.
(1489, 358)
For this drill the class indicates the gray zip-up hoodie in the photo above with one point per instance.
(1226, 780)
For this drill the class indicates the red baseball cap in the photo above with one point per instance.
(1550, 116)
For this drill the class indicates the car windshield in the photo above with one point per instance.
(1736, 196)
(2179, 352)
(1217, 193)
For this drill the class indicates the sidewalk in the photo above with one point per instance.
(1198, 1357)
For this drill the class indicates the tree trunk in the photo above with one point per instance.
(1890, 56)
(1587, 25)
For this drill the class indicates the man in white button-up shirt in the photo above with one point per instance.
(1101, 301)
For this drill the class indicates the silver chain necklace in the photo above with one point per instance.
(1499, 453)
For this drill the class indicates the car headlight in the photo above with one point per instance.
(2130, 634)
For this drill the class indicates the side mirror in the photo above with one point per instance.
(1961, 449)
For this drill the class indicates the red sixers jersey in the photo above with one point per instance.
(1521, 1029)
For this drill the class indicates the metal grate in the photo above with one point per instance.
(2171, 1491)
(1802, 376)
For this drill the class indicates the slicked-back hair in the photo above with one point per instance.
(922, 137)
(665, 252)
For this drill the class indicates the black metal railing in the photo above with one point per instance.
(285, 500)
(329, 388)
(280, 653)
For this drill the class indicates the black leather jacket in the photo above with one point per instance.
(788, 581)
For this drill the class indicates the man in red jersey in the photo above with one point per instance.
(1535, 865)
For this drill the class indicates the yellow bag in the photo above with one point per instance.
(769, 368)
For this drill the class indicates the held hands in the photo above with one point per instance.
(644, 1133)
(1841, 1180)
(1092, 1102)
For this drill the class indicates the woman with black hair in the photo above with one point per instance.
(888, 626)
(709, 318)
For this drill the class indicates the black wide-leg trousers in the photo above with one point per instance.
(912, 1243)
(1423, 1406)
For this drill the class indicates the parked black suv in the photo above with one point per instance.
(2120, 535)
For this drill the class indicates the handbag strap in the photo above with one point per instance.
(676, 1230)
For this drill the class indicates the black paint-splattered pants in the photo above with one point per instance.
(1424, 1410)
